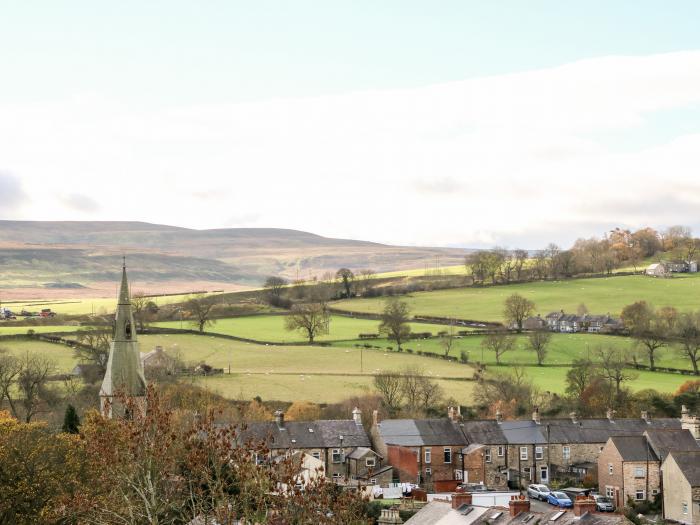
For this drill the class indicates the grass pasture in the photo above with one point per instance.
(271, 328)
(600, 295)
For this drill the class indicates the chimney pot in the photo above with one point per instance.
(583, 504)
(536, 415)
(279, 418)
(574, 417)
(357, 416)
(645, 416)
(610, 413)
(499, 416)
(375, 417)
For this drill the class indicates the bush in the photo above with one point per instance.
(409, 350)
(464, 357)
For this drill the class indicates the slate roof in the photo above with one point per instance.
(421, 432)
(664, 441)
(485, 432)
(442, 513)
(689, 463)
(306, 434)
(599, 430)
(634, 448)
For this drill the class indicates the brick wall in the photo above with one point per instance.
(610, 456)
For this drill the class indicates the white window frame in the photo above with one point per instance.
(487, 455)
(428, 456)
(610, 469)
(523, 453)
(539, 452)
(447, 455)
(684, 508)
(501, 451)
(638, 492)
(370, 462)
(316, 455)
(428, 471)
(458, 474)
(610, 492)
(336, 452)
(639, 472)
(566, 452)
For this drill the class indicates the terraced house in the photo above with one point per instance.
(343, 446)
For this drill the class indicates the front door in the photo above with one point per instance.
(544, 474)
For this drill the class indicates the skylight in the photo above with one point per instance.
(496, 516)
(557, 516)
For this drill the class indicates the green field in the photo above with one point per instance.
(562, 350)
(84, 306)
(62, 355)
(601, 295)
(271, 328)
(39, 329)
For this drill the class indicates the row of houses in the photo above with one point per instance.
(667, 268)
(441, 453)
(571, 323)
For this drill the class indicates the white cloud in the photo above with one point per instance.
(478, 161)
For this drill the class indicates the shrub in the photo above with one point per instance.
(464, 357)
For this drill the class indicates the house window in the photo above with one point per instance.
(684, 508)
(654, 492)
(523, 453)
(428, 471)
(527, 473)
(610, 492)
(566, 453)
(370, 462)
(427, 456)
(639, 495)
(336, 476)
(372, 481)
(610, 469)
(316, 455)
(539, 454)
(638, 472)
(458, 474)
(337, 456)
(447, 454)
(487, 455)
(501, 451)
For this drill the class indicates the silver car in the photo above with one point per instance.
(603, 503)
(539, 492)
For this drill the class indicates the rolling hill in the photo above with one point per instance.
(38, 254)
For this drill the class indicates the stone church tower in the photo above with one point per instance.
(124, 375)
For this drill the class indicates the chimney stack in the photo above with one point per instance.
(536, 415)
(357, 416)
(499, 417)
(518, 504)
(610, 413)
(574, 417)
(690, 423)
(279, 418)
(645, 416)
(461, 498)
(583, 504)
(375, 417)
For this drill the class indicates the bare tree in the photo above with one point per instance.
(32, 384)
(93, 347)
(365, 279)
(200, 310)
(498, 342)
(394, 321)
(613, 367)
(10, 368)
(579, 376)
(516, 309)
(688, 336)
(312, 319)
(139, 304)
(539, 340)
(430, 393)
(520, 256)
(388, 384)
(448, 339)
(274, 286)
(649, 328)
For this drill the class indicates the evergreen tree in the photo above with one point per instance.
(71, 421)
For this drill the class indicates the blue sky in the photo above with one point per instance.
(157, 91)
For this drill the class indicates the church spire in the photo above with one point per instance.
(124, 373)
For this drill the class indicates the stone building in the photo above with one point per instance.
(629, 467)
(124, 379)
(330, 441)
(681, 471)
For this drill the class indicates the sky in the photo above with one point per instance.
(452, 123)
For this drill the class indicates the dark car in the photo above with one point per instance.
(559, 499)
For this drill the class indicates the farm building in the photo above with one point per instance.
(570, 323)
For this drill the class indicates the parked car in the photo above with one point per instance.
(539, 492)
(603, 503)
(559, 499)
